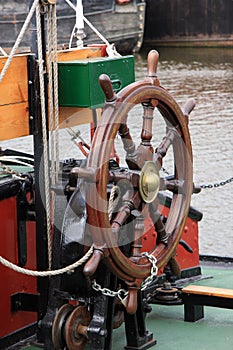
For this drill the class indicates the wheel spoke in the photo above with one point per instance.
(167, 141)
(142, 194)
(129, 146)
(130, 202)
(159, 226)
(136, 245)
(173, 185)
(146, 133)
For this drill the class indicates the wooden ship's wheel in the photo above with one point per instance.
(117, 234)
(143, 171)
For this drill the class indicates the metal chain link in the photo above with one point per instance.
(204, 186)
(218, 184)
(153, 271)
(108, 292)
(122, 293)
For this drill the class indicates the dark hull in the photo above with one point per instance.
(179, 22)
(122, 25)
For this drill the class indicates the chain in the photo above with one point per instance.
(219, 184)
(153, 271)
(108, 292)
(204, 186)
(122, 293)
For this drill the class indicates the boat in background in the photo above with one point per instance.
(188, 23)
(119, 22)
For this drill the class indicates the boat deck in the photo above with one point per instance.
(213, 332)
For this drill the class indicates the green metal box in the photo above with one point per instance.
(78, 80)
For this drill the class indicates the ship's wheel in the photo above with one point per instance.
(140, 181)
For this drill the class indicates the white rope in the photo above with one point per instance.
(3, 52)
(89, 24)
(19, 38)
(50, 94)
(53, 92)
(56, 97)
(34, 273)
(44, 134)
(113, 202)
(111, 50)
(71, 38)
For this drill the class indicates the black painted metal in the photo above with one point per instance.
(24, 302)
(56, 296)
(24, 333)
(36, 129)
(135, 328)
(193, 305)
(101, 325)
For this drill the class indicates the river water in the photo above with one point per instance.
(206, 75)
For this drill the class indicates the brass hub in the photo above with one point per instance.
(149, 182)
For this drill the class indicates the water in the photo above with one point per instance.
(206, 75)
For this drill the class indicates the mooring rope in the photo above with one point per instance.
(34, 273)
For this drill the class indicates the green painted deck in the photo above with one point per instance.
(214, 332)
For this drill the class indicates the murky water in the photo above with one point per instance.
(207, 76)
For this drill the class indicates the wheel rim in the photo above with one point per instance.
(148, 95)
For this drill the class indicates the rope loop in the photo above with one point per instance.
(49, 273)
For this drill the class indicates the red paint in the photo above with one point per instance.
(190, 236)
(11, 281)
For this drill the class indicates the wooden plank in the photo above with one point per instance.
(72, 116)
(210, 291)
(14, 86)
(86, 52)
(14, 95)
(14, 121)
(17, 124)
